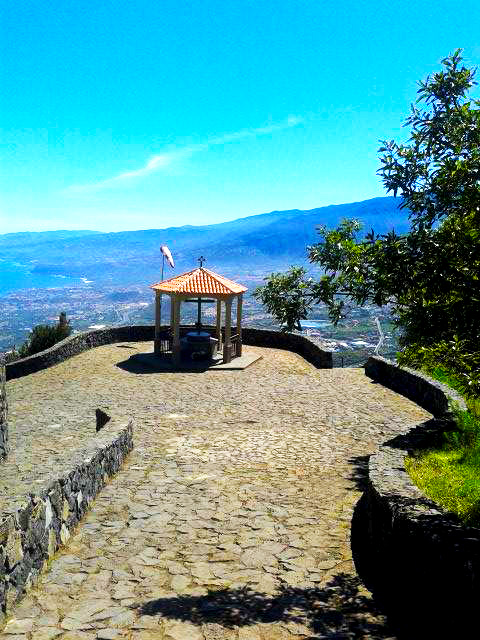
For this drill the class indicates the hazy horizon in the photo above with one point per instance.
(173, 226)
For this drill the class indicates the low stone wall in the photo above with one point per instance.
(3, 414)
(80, 342)
(302, 345)
(31, 531)
(431, 395)
(73, 345)
(422, 564)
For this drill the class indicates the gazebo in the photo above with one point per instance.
(200, 286)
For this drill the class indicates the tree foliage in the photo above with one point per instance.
(44, 336)
(437, 172)
(453, 356)
(429, 276)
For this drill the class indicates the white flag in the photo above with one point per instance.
(166, 252)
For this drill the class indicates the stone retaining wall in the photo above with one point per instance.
(303, 345)
(431, 395)
(3, 414)
(76, 344)
(80, 342)
(31, 531)
(422, 564)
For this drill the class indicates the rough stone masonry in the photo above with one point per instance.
(3, 414)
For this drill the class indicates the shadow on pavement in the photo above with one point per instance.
(359, 471)
(139, 364)
(134, 364)
(429, 433)
(337, 610)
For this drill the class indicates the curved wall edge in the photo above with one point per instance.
(73, 345)
(413, 556)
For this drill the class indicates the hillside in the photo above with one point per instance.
(33, 238)
(273, 237)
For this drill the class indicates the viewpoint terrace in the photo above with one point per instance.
(229, 520)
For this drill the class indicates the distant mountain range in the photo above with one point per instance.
(276, 237)
(27, 238)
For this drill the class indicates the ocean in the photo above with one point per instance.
(15, 276)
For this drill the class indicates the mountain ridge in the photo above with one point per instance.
(72, 234)
(275, 236)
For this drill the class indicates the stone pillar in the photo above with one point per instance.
(239, 325)
(218, 334)
(3, 414)
(158, 321)
(227, 347)
(176, 330)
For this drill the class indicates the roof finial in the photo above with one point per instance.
(201, 261)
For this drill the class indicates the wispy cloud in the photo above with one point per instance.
(166, 158)
(291, 121)
(156, 163)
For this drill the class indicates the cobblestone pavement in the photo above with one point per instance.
(45, 428)
(230, 519)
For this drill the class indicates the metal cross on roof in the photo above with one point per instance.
(201, 260)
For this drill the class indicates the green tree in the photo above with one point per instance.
(429, 276)
(44, 336)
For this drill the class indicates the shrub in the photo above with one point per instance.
(451, 361)
(44, 336)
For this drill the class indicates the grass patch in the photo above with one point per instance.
(450, 480)
(450, 473)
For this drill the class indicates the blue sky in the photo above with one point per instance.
(131, 115)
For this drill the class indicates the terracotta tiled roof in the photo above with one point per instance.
(199, 280)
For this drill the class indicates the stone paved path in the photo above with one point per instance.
(45, 428)
(230, 519)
